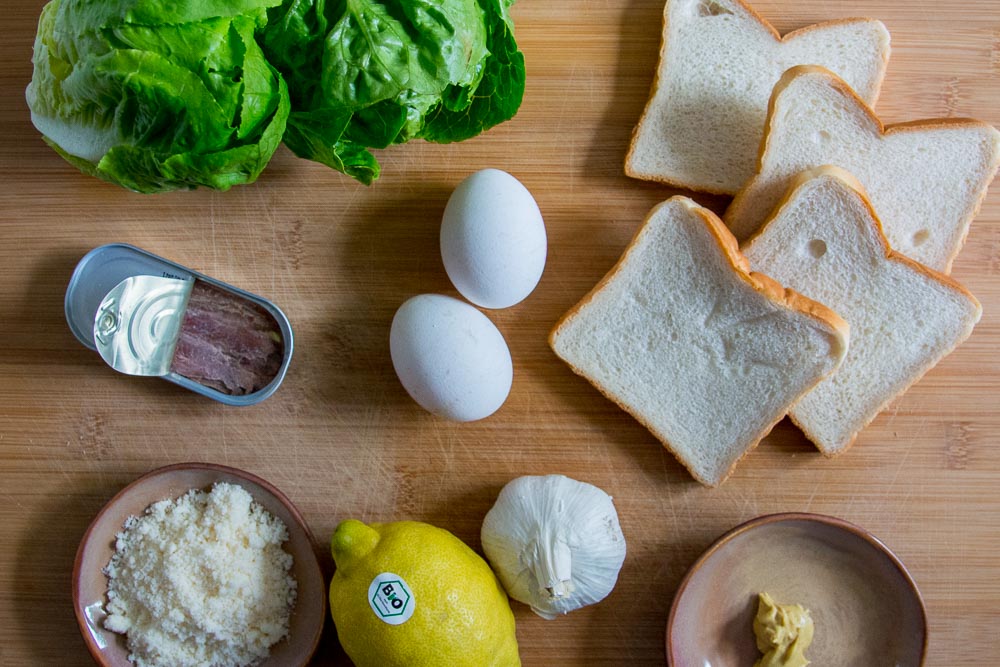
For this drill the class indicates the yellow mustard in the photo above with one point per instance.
(783, 632)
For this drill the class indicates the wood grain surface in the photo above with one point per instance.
(342, 438)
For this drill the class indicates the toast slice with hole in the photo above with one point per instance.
(926, 179)
(826, 242)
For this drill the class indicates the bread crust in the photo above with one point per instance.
(849, 180)
(761, 283)
(739, 202)
(779, 39)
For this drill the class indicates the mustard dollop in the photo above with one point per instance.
(783, 632)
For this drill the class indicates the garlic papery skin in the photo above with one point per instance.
(555, 543)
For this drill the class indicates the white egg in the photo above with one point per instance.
(493, 239)
(450, 357)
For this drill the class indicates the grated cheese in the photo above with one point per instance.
(201, 580)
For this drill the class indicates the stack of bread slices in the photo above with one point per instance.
(823, 292)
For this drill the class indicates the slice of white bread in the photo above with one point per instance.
(719, 60)
(705, 354)
(926, 179)
(826, 242)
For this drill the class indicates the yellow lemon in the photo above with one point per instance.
(410, 594)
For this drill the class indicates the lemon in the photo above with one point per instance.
(408, 593)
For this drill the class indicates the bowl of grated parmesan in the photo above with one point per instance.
(195, 564)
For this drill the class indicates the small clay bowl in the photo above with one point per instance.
(865, 606)
(90, 584)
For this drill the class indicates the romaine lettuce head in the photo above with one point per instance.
(370, 73)
(155, 95)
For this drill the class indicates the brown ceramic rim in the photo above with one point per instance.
(95, 651)
(856, 530)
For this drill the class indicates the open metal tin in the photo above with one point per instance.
(103, 270)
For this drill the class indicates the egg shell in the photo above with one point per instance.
(493, 240)
(450, 357)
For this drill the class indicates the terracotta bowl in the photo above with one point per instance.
(90, 584)
(866, 608)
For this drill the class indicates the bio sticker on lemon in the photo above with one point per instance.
(391, 599)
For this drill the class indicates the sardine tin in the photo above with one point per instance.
(107, 266)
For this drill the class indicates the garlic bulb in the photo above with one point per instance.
(554, 542)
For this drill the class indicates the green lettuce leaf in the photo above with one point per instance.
(158, 101)
(293, 43)
(366, 57)
(319, 135)
(143, 170)
(381, 70)
(98, 14)
(467, 112)
(259, 103)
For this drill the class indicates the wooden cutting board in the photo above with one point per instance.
(342, 438)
